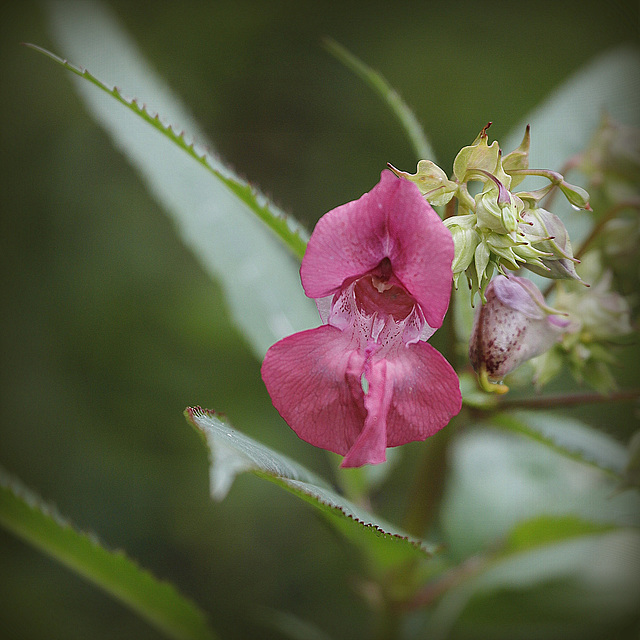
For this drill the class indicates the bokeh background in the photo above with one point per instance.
(110, 328)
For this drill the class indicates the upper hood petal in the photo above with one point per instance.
(391, 221)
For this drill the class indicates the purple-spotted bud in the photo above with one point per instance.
(512, 326)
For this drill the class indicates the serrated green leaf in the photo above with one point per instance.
(232, 453)
(215, 211)
(401, 111)
(292, 234)
(28, 517)
(568, 437)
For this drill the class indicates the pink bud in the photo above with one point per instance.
(513, 326)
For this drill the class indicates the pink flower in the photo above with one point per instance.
(380, 270)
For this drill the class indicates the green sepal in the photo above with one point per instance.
(518, 158)
(478, 157)
(432, 182)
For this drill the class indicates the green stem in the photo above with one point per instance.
(464, 198)
(443, 583)
(428, 486)
(388, 627)
(552, 176)
(568, 166)
(450, 319)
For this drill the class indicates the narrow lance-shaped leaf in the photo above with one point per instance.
(292, 234)
(28, 517)
(497, 479)
(521, 515)
(215, 211)
(401, 111)
(233, 452)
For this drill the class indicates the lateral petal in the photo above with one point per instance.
(314, 380)
(426, 394)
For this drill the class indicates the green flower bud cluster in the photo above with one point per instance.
(497, 229)
(598, 317)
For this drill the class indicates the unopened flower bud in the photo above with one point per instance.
(599, 313)
(598, 317)
(512, 326)
(465, 241)
(577, 196)
(546, 232)
(497, 209)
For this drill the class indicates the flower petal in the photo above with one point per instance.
(426, 394)
(392, 221)
(520, 295)
(314, 380)
(371, 445)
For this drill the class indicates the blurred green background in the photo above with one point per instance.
(110, 327)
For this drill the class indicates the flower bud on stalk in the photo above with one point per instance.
(547, 232)
(497, 209)
(432, 182)
(513, 326)
(497, 229)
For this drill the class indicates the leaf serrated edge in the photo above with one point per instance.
(292, 486)
(287, 229)
(374, 528)
(185, 621)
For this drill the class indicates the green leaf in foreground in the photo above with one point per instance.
(403, 113)
(550, 529)
(232, 452)
(28, 517)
